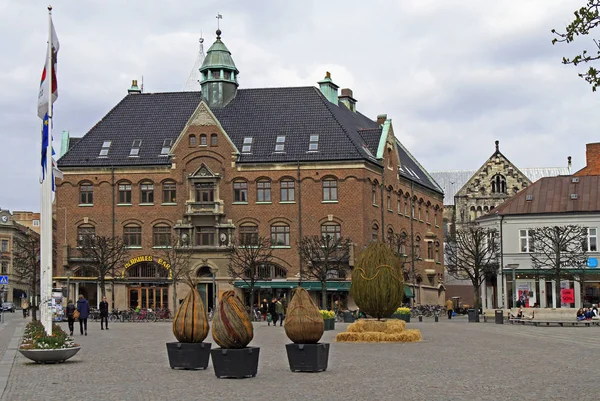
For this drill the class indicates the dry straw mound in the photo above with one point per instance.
(382, 326)
(191, 321)
(387, 331)
(232, 327)
(303, 321)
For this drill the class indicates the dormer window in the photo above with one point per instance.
(105, 148)
(280, 144)
(166, 147)
(135, 148)
(313, 144)
(247, 146)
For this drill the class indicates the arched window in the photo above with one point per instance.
(333, 230)
(389, 200)
(374, 194)
(390, 234)
(85, 234)
(125, 193)
(330, 192)
(417, 247)
(280, 235)
(147, 270)
(132, 235)
(203, 140)
(204, 271)
(498, 184)
(288, 193)
(214, 140)
(161, 235)
(249, 235)
(147, 192)
(263, 191)
(86, 193)
(169, 192)
(192, 140)
(240, 191)
(374, 232)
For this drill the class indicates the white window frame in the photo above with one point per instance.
(591, 237)
(525, 241)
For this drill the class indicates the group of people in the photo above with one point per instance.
(588, 313)
(83, 311)
(273, 311)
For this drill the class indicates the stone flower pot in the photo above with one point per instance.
(49, 355)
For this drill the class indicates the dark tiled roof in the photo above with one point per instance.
(73, 142)
(412, 170)
(371, 137)
(553, 195)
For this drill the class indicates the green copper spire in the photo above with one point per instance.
(218, 75)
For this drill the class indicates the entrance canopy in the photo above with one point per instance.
(309, 285)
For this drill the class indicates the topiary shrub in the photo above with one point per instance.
(191, 321)
(377, 281)
(231, 325)
(303, 322)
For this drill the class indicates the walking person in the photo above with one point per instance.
(103, 314)
(25, 307)
(449, 308)
(83, 307)
(70, 310)
(280, 310)
(264, 309)
(273, 311)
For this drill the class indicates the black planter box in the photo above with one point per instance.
(237, 363)
(404, 317)
(329, 324)
(308, 357)
(188, 355)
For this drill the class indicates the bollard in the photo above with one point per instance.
(420, 318)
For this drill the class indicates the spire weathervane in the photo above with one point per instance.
(219, 17)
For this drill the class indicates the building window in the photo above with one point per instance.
(4, 245)
(526, 241)
(124, 193)
(417, 247)
(430, 250)
(313, 145)
(166, 147)
(132, 235)
(419, 216)
(399, 205)
(192, 140)
(85, 234)
(402, 240)
(390, 234)
(169, 192)
(435, 218)
(374, 232)
(240, 191)
(437, 252)
(147, 192)
(287, 191)
(247, 145)
(161, 235)
(592, 240)
(280, 144)
(330, 189)
(280, 235)
(86, 194)
(333, 230)
(498, 184)
(4, 267)
(203, 140)
(135, 148)
(374, 194)
(263, 191)
(427, 216)
(389, 200)
(205, 236)
(249, 235)
(105, 148)
(205, 193)
(406, 208)
(214, 140)
(36, 223)
(413, 210)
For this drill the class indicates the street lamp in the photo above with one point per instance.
(68, 281)
(214, 285)
(513, 267)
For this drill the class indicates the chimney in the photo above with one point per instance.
(329, 89)
(569, 163)
(134, 88)
(348, 100)
(381, 118)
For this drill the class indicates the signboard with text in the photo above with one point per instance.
(567, 296)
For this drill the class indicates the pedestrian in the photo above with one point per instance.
(264, 308)
(449, 308)
(273, 311)
(83, 307)
(103, 314)
(280, 310)
(70, 318)
(25, 307)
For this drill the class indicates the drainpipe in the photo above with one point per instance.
(299, 227)
(502, 264)
(412, 240)
(112, 168)
(383, 206)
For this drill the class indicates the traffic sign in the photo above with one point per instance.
(3, 280)
(592, 262)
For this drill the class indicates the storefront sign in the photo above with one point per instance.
(146, 258)
(567, 296)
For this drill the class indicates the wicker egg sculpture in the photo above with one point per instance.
(231, 325)
(377, 281)
(191, 320)
(303, 322)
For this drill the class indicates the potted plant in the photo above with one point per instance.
(190, 327)
(328, 318)
(38, 346)
(304, 325)
(402, 313)
(232, 330)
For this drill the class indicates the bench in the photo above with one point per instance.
(561, 323)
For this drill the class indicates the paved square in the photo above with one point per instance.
(456, 361)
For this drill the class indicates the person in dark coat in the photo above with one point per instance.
(264, 309)
(273, 311)
(84, 310)
(103, 313)
(70, 318)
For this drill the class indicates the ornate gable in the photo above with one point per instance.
(203, 172)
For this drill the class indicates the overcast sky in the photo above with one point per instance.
(453, 75)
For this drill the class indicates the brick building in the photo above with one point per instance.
(592, 157)
(214, 165)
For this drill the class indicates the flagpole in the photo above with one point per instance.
(46, 208)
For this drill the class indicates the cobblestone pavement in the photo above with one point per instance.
(456, 361)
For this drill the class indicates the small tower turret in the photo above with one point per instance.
(218, 75)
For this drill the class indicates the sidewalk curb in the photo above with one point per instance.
(6, 363)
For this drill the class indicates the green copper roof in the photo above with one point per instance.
(218, 57)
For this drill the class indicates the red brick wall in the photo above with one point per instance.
(592, 155)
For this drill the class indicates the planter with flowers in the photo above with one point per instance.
(304, 325)
(402, 314)
(38, 346)
(328, 318)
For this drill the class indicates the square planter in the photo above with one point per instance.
(188, 355)
(348, 317)
(308, 357)
(329, 324)
(237, 363)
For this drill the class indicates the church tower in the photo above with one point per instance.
(218, 75)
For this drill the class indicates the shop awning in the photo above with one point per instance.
(309, 285)
(408, 292)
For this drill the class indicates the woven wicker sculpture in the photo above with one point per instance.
(377, 281)
(303, 321)
(232, 327)
(191, 321)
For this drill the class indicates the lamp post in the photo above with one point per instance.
(513, 267)
(68, 282)
(214, 287)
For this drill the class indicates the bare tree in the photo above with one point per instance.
(557, 250)
(26, 265)
(178, 255)
(106, 255)
(401, 246)
(325, 258)
(250, 260)
(472, 253)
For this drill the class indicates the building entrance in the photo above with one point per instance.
(150, 297)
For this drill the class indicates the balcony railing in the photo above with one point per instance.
(204, 208)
